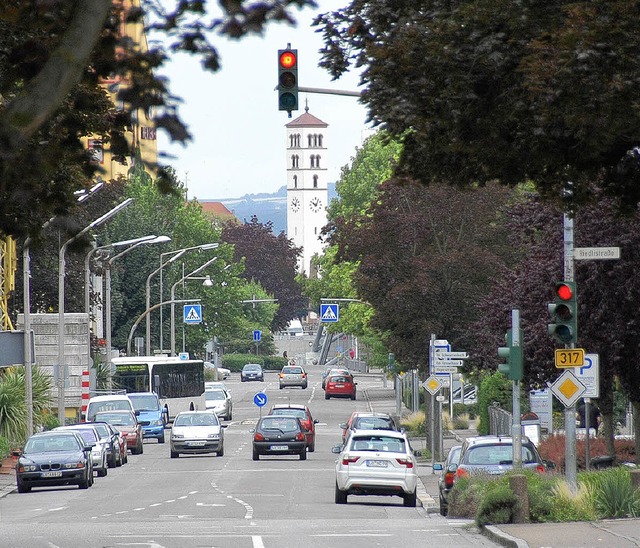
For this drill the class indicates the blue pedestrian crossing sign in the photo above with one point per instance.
(329, 313)
(192, 313)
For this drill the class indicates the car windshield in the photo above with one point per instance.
(214, 395)
(380, 444)
(279, 423)
(43, 444)
(251, 367)
(196, 419)
(339, 378)
(102, 430)
(145, 403)
(116, 419)
(88, 434)
(300, 413)
(488, 455)
(292, 370)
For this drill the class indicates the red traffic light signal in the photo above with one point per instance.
(563, 310)
(288, 80)
(564, 291)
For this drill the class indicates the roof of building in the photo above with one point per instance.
(215, 209)
(307, 120)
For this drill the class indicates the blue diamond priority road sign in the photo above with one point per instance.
(329, 313)
(192, 313)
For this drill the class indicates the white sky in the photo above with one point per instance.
(238, 144)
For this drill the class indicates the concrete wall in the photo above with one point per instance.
(76, 350)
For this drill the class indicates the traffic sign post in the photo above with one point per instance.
(567, 388)
(569, 357)
(260, 399)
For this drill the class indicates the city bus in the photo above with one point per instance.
(178, 383)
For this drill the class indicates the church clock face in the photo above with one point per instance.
(295, 205)
(315, 204)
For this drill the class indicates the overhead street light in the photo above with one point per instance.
(178, 252)
(62, 367)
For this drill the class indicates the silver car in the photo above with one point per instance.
(293, 375)
(376, 462)
(99, 451)
(197, 432)
(220, 402)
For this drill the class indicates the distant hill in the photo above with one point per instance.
(266, 207)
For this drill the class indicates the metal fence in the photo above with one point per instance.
(499, 421)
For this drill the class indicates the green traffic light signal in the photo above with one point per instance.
(513, 368)
(288, 80)
(563, 310)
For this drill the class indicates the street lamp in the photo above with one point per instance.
(177, 253)
(62, 368)
(107, 281)
(173, 306)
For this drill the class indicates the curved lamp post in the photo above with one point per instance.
(62, 367)
(173, 306)
(107, 280)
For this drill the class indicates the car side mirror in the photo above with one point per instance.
(16, 453)
(549, 464)
(252, 430)
(437, 467)
(343, 425)
(452, 468)
(316, 421)
(224, 425)
(337, 449)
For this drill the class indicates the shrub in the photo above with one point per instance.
(5, 447)
(461, 422)
(613, 493)
(498, 504)
(465, 497)
(414, 423)
(493, 388)
(553, 448)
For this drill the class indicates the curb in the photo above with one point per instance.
(503, 539)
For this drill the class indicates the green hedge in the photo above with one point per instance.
(235, 362)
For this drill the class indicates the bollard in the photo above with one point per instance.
(518, 484)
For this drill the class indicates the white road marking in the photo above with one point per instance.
(257, 541)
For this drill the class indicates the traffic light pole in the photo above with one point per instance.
(569, 412)
(516, 426)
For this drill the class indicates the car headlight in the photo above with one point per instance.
(27, 468)
(78, 464)
(177, 436)
(157, 423)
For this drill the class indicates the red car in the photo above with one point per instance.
(125, 422)
(302, 412)
(340, 386)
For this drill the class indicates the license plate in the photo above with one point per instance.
(339, 385)
(195, 443)
(279, 447)
(53, 474)
(377, 463)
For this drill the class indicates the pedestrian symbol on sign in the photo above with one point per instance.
(329, 313)
(192, 313)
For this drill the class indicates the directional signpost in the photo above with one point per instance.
(260, 399)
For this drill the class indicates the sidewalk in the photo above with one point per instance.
(7, 484)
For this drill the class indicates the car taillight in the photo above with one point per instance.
(461, 473)
(304, 375)
(405, 462)
(346, 460)
(282, 375)
(258, 437)
(541, 468)
(449, 478)
(300, 436)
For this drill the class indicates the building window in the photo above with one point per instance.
(318, 160)
(310, 140)
(315, 181)
(295, 181)
(320, 140)
(295, 159)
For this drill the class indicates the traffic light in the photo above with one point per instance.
(513, 368)
(563, 310)
(288, 79)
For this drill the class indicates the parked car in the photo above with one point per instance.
(197, 432)
(99, 449)
(493, 455)
(217, 385)
(111, 441)
(150, 413)
(54, 458)
(447, 477)
(340, 386)
(375, 462)
(304, 414)
(122, 443)
(219, 401)
(279, 435)
(109, 402)
(362, 420)
(293, 375)
(125, 422)
(223, 372)
(252, 372)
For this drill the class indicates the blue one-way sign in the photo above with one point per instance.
(329, 313)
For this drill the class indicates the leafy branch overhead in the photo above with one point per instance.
(500, 90)
(53, 57)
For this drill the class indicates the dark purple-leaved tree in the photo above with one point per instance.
(271, 261)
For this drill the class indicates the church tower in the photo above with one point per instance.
(307, 193)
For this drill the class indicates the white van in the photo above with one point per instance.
(109, 402)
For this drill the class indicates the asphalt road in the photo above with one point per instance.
(230, 501)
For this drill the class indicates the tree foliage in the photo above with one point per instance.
(53, 57)
(497, 89)
(425, 258)
(271, 261)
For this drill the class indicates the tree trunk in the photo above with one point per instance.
(635, 409)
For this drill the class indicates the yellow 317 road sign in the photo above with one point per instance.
(569, 357)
